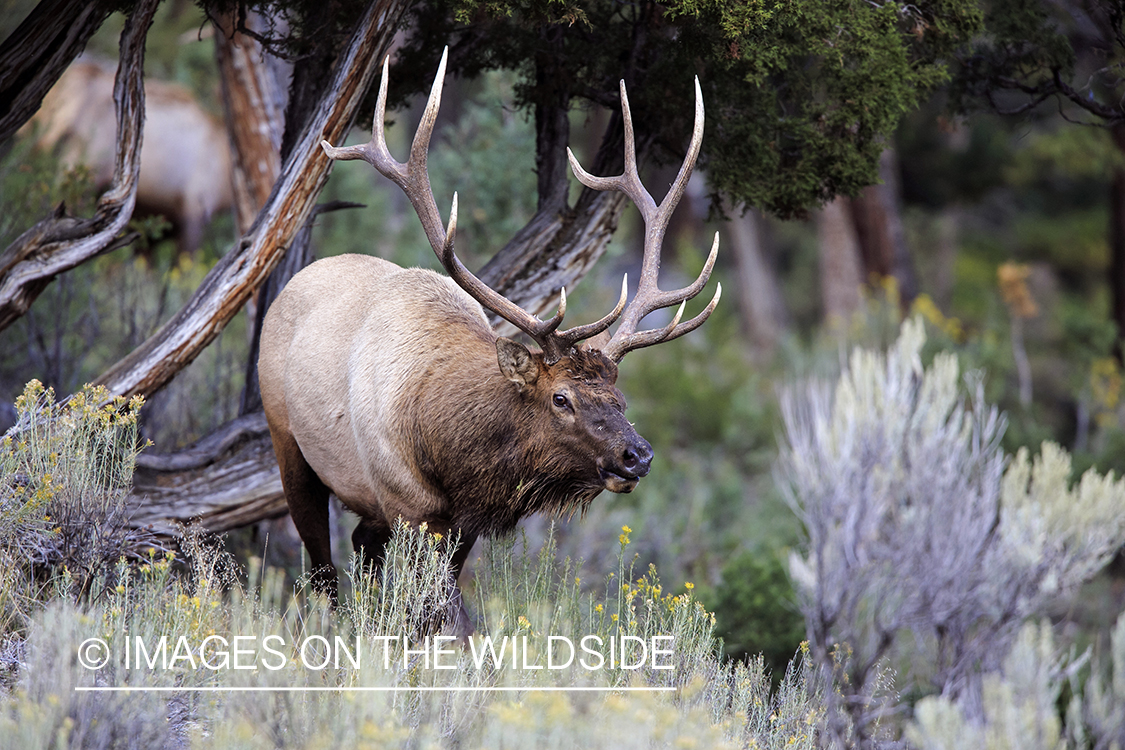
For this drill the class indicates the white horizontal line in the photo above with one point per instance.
(405, 689)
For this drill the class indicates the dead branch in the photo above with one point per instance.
(37, 53)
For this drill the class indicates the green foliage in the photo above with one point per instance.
(802, 96)
(936, 173)
(32, 185)
(1065, 153)
(1067, 53)
(756, 611)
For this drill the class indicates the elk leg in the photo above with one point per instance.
(462, 624)
(307, 497)
(370, 537)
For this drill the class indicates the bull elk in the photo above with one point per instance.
(388, 387)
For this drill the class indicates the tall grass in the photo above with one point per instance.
(172, 623)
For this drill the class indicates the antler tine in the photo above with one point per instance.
(414, 180)
(572, 336)
(615, 350)
(649, 297)
(539, 330)
(410, 176)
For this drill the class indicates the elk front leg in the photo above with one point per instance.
(370, 538)
(462, 624)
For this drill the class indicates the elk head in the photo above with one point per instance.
(565, 384)
(581, 432)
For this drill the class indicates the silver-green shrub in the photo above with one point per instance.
(927, 549)
(65, 470)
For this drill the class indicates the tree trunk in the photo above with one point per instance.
(59, 242)
(228, 479)
(1117, 245)
(37, 53)
(760, 304)
(253, 109)
(877, 213)
(235, 277)
(841, 272)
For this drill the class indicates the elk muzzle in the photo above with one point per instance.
(624, 468)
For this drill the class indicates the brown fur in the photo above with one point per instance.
(388, 387)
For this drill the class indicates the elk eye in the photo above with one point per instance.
(561, 401)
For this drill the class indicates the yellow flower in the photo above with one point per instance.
(689, 585)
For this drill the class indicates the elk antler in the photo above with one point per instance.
(414, 180)
(649, 297)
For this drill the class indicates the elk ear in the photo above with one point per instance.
(516, 362)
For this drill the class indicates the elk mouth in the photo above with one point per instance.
(615, 482)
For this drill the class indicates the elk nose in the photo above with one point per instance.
(637, 458)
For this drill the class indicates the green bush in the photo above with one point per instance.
(756, 611)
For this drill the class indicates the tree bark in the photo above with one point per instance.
(59, 242)
(228, 479)
(253, 108)
(1117, 246)
(760, 303)
(877, 214)
(235, 277)
(841, 272)
(37, 53)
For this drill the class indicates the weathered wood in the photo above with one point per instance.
(58, 242)
(254, 112)
(227, 480)
(34, 56)
(235, 277)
